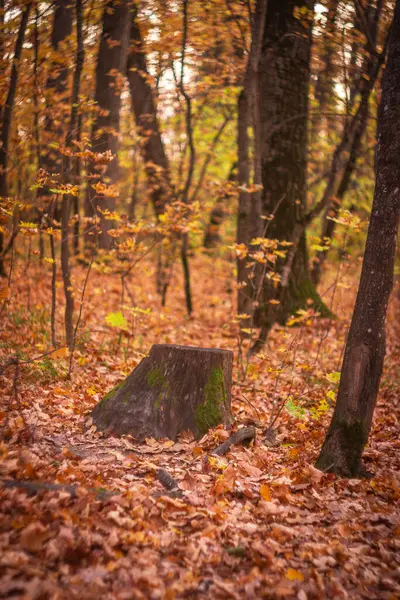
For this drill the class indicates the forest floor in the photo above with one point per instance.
(260, 522)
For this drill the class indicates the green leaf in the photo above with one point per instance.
(333, 377)
(117, 319)
(294, 409)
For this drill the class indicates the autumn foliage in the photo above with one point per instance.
(197, 173)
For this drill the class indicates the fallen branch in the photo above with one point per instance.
(33, 487)
(246, 434)
(168, 482)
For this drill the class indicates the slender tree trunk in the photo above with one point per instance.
(57, 91)
(324, 89)
(65, 207)
(53, 278)
(145, 111)
(7, 117)
(249, 208)
(2, 37)
(36, 127)
(367, 71)
(192, 162)
(212, 235)
(135, 184)
(111, 66)
(77, 171)
(329, 225)
(365, 347)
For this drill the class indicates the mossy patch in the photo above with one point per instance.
(112, 392)
(301, 296)
(211, 412)
(155, 377)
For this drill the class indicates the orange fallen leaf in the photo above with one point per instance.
(294, 575)
(265, 492)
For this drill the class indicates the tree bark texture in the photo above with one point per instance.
(249, 224)
(111, 67)
(176, 388)
(284, 86)
(365, 348)
(7, 117)
(66, 201)
(57, 93)
(145, 111)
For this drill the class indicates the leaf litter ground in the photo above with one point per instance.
(260, 522)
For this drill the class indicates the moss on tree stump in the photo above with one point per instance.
(175, 388)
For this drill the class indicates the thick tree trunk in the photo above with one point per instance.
(7, 118)
(284, 83)
(176, 388)
(144, 108)
(111, 66)
(365, 347)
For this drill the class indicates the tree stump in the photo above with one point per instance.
(175, 388)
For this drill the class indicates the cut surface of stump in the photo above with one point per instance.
(174, 389)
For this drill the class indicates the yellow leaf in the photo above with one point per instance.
(265, 492)
(91, 390)
(19, 423)
(294, 575)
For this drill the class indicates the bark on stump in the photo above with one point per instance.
(175, 388)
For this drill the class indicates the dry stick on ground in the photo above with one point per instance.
(246, 434)
(169, 483)
(34, 487)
